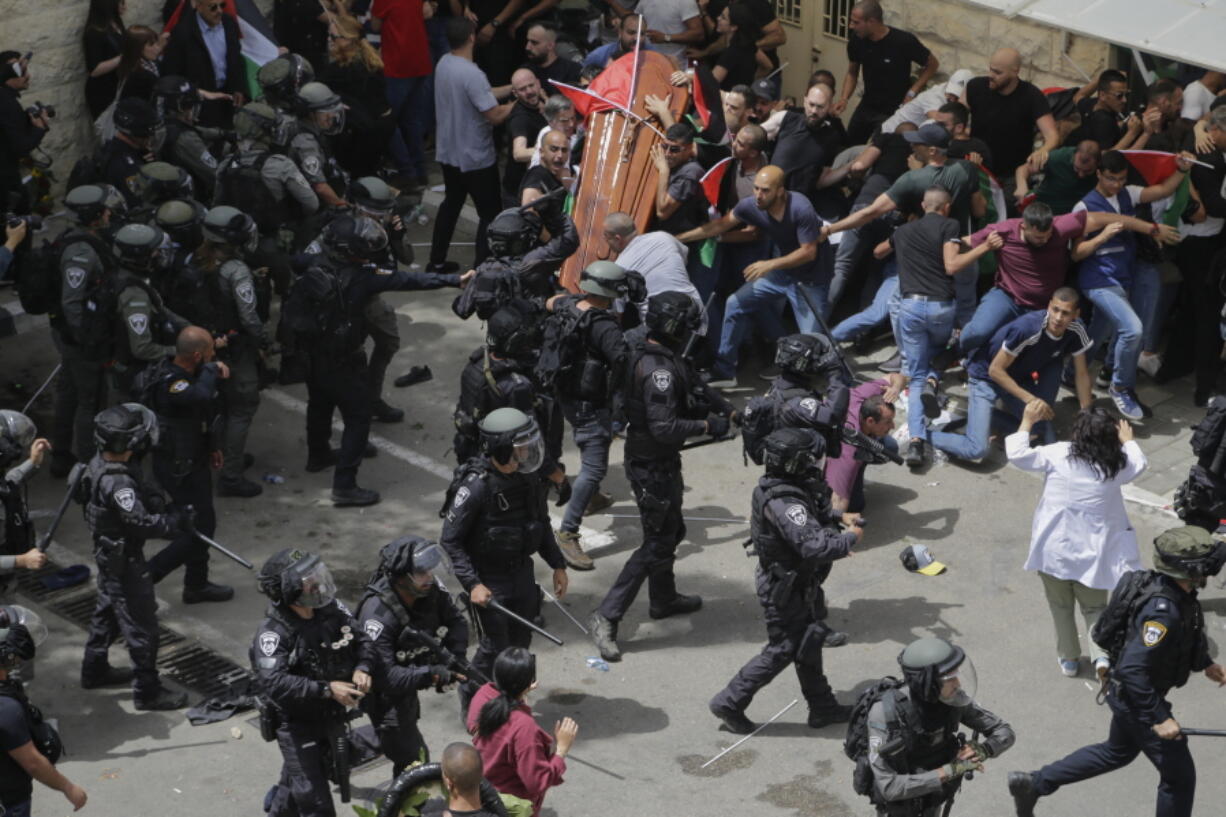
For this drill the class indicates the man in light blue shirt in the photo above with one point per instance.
(628, 32)
(208, 17)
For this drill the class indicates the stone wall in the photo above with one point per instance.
(52, 30)
(964, 36)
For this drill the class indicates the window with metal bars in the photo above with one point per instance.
(834, 18)
(788, 11)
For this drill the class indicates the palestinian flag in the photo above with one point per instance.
(1156, 166)
(995, 195)
(259, 44)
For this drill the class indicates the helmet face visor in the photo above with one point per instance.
(529, 449)
(959, 685)
(32, 621)
(318, 587)
(330, 120)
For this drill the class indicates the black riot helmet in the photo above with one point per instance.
(126, 427)
(512, 233)
(176, 96)
(793, 452)
(372, 195)
(17, 432)
(136, 118)
(22, 631)
(137, 248)
(672, 317)
(514, 331)
(181, 219)
(348, 237)
(263, 124)
(88, 202)
(937, 671)
(411, 563)
(157, 182)
(229, 225)
(507, 434)
(293, 576)
(804, 355)
(281, 78)
(1189, 552)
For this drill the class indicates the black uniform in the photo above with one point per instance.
(189, 432)
(187, 146)
(487, 383)
(17, 531)
(798, 405)
(1166, 643)
(791, 530)
(122, 511)
(663, 411)
(121, 164)
(492, 525)
(294, 660)
(403, 662)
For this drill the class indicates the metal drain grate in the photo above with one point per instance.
(181, 659)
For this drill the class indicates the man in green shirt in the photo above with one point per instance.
(1069, 174)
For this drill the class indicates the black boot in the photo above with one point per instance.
(679, 605)
(1021, 786)
(734, 720)
(207, 592)
(162, 701)
(354, 497)
(105, 676)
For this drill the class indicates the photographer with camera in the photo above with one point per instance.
(15, 230)
(21, 129)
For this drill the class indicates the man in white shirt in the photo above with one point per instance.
(920, 109)
(657, 256)
(671, 25)
(1199, 95)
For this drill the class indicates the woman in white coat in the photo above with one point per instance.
(1081, 542)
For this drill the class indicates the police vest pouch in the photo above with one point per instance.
(270, 719)
(809, 651)
(504, 546)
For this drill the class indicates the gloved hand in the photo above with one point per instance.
(717, 425)
(564, 491)
(186, 519)
(442, 675)
(960, 767)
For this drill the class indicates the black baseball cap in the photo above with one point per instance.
(933, 135)
(764, 89)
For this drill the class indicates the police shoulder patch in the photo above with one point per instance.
(797, 515)
(139, 322)
(809, 406)
(178, 386)
(75, 276)
(246, 292)
(1152, 633)
(373, 627)
(461, 496)
(344, 608)
(663, 379)
(125, 498)
(208, 160)
(311, 164)
(874, 745)
(269, 641)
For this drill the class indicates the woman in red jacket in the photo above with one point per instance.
(520, 757)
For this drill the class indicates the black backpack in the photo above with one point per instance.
(855, 744)
(759, 418)
(1133, 591)
(100, 318)
(561, 346)
(240, 184)
(314, 308)
(91, 168)
(195, 294)
(40, 280)
(1207, 436)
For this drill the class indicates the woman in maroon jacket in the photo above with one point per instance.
(520, 757)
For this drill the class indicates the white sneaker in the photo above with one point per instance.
(1150, 364)
(1069, 666)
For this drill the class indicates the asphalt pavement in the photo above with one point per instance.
(644, 728)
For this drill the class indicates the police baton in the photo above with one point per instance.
(222, 549)
(1203, 733)
(550, 598)
(542, 200)
(826, 331)
(494, 604)
(43, 387)
(74, 479)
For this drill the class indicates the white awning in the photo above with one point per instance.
(1191, 31)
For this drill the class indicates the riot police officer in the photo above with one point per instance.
(1164, 642)
(593, 373)
(312, 663)
(793, 534)
(182, 222)
(916, 758)
(280, 78)
(803, 360)
(85, 263)
(18, 443)
(157, 182)
(122, 511)
(518, 264)
(663, 410)
(405, 613)
(138, 133)
(147, 329)
(182, 391)
(494, 519)
(260, 180)
(177, 101)
(320, 114)
(234, 296)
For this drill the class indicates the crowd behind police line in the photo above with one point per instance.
(161, 307)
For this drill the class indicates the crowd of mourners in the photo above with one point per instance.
(234, 229)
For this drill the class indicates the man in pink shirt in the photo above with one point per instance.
(871, 410)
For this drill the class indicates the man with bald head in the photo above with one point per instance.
(794, 228)
(182, 391)
(807, 142)
(541, 50)
(525, 123)
(462, 775)
(553, 172)
(1005, 111)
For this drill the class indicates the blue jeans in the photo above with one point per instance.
(754, 296)
(966, 294)
(876, 313)
(412, 103)
(995, 310)
(924, 329)
(593, 436)
(982, 416)
(1114, 313)
(1146, 298)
